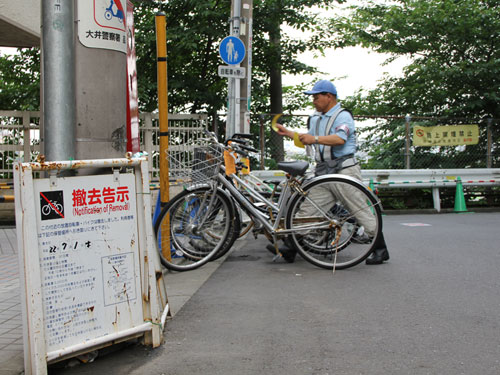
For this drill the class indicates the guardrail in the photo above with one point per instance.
(415, 178)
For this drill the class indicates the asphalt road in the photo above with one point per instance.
(434, 308)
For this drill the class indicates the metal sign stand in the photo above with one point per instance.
(90, 271)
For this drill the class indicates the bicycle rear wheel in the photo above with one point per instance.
(335, 223)
(194, 227)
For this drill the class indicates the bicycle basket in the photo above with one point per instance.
(195, 167)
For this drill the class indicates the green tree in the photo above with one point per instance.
(454, 75)
(20, 80)
(276, 53)
(195, 29)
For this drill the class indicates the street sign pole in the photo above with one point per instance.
(234, 86)
(232, 52)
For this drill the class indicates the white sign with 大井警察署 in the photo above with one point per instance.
(101, 24)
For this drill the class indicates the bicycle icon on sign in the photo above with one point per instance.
(110, 13)
(53, 206)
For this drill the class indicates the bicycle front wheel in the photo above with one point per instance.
(335, 221)
(193, 227)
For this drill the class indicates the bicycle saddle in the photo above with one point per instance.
(295, 168)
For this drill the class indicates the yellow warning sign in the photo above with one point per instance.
(445, 135)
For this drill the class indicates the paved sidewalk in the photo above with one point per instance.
(180, 287)
(11, 331)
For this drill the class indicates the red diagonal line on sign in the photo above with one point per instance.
(49, 202)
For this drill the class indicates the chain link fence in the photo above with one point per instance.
(387, 142)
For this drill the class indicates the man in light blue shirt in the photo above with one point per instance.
(343, 127)
(332, 134)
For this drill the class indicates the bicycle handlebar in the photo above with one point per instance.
(248, 148)
(242, 135)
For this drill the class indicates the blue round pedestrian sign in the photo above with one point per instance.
(232, 50)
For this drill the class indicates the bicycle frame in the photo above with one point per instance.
(288, 192)
(255, 183)
(280, 207)
(219, 200)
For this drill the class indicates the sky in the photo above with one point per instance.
(350, 68)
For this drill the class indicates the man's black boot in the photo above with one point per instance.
(378, 256)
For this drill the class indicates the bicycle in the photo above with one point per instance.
(50, 207)
(323, 235)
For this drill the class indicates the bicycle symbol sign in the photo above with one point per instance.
(52, 205)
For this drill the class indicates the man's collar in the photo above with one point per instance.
(330, 113)
(333, 110)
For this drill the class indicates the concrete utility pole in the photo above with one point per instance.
(101, 80)
(246, 36)
(233, 90)
(58, 83)
(239, 90)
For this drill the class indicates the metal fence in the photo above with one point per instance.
(185, 131)
(15, 128)
(21, 137)
(386, 142)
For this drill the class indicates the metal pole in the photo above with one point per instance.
(489, 143)
(262, 143)
(58, 90)
(230, 129)
(407, 141)
(233, 83)
(237, 92)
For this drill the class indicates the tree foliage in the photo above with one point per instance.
(194, 32)
(20, 81)
(195, 29)
(455, 70)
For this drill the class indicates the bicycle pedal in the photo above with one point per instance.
(257, 226)
(277, 257)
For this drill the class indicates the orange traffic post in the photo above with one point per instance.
(161, 55)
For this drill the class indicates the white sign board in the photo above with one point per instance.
(88, 249)
(231, 71)
(101, 24)
(87, 259)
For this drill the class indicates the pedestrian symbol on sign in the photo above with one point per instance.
(232, 50)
